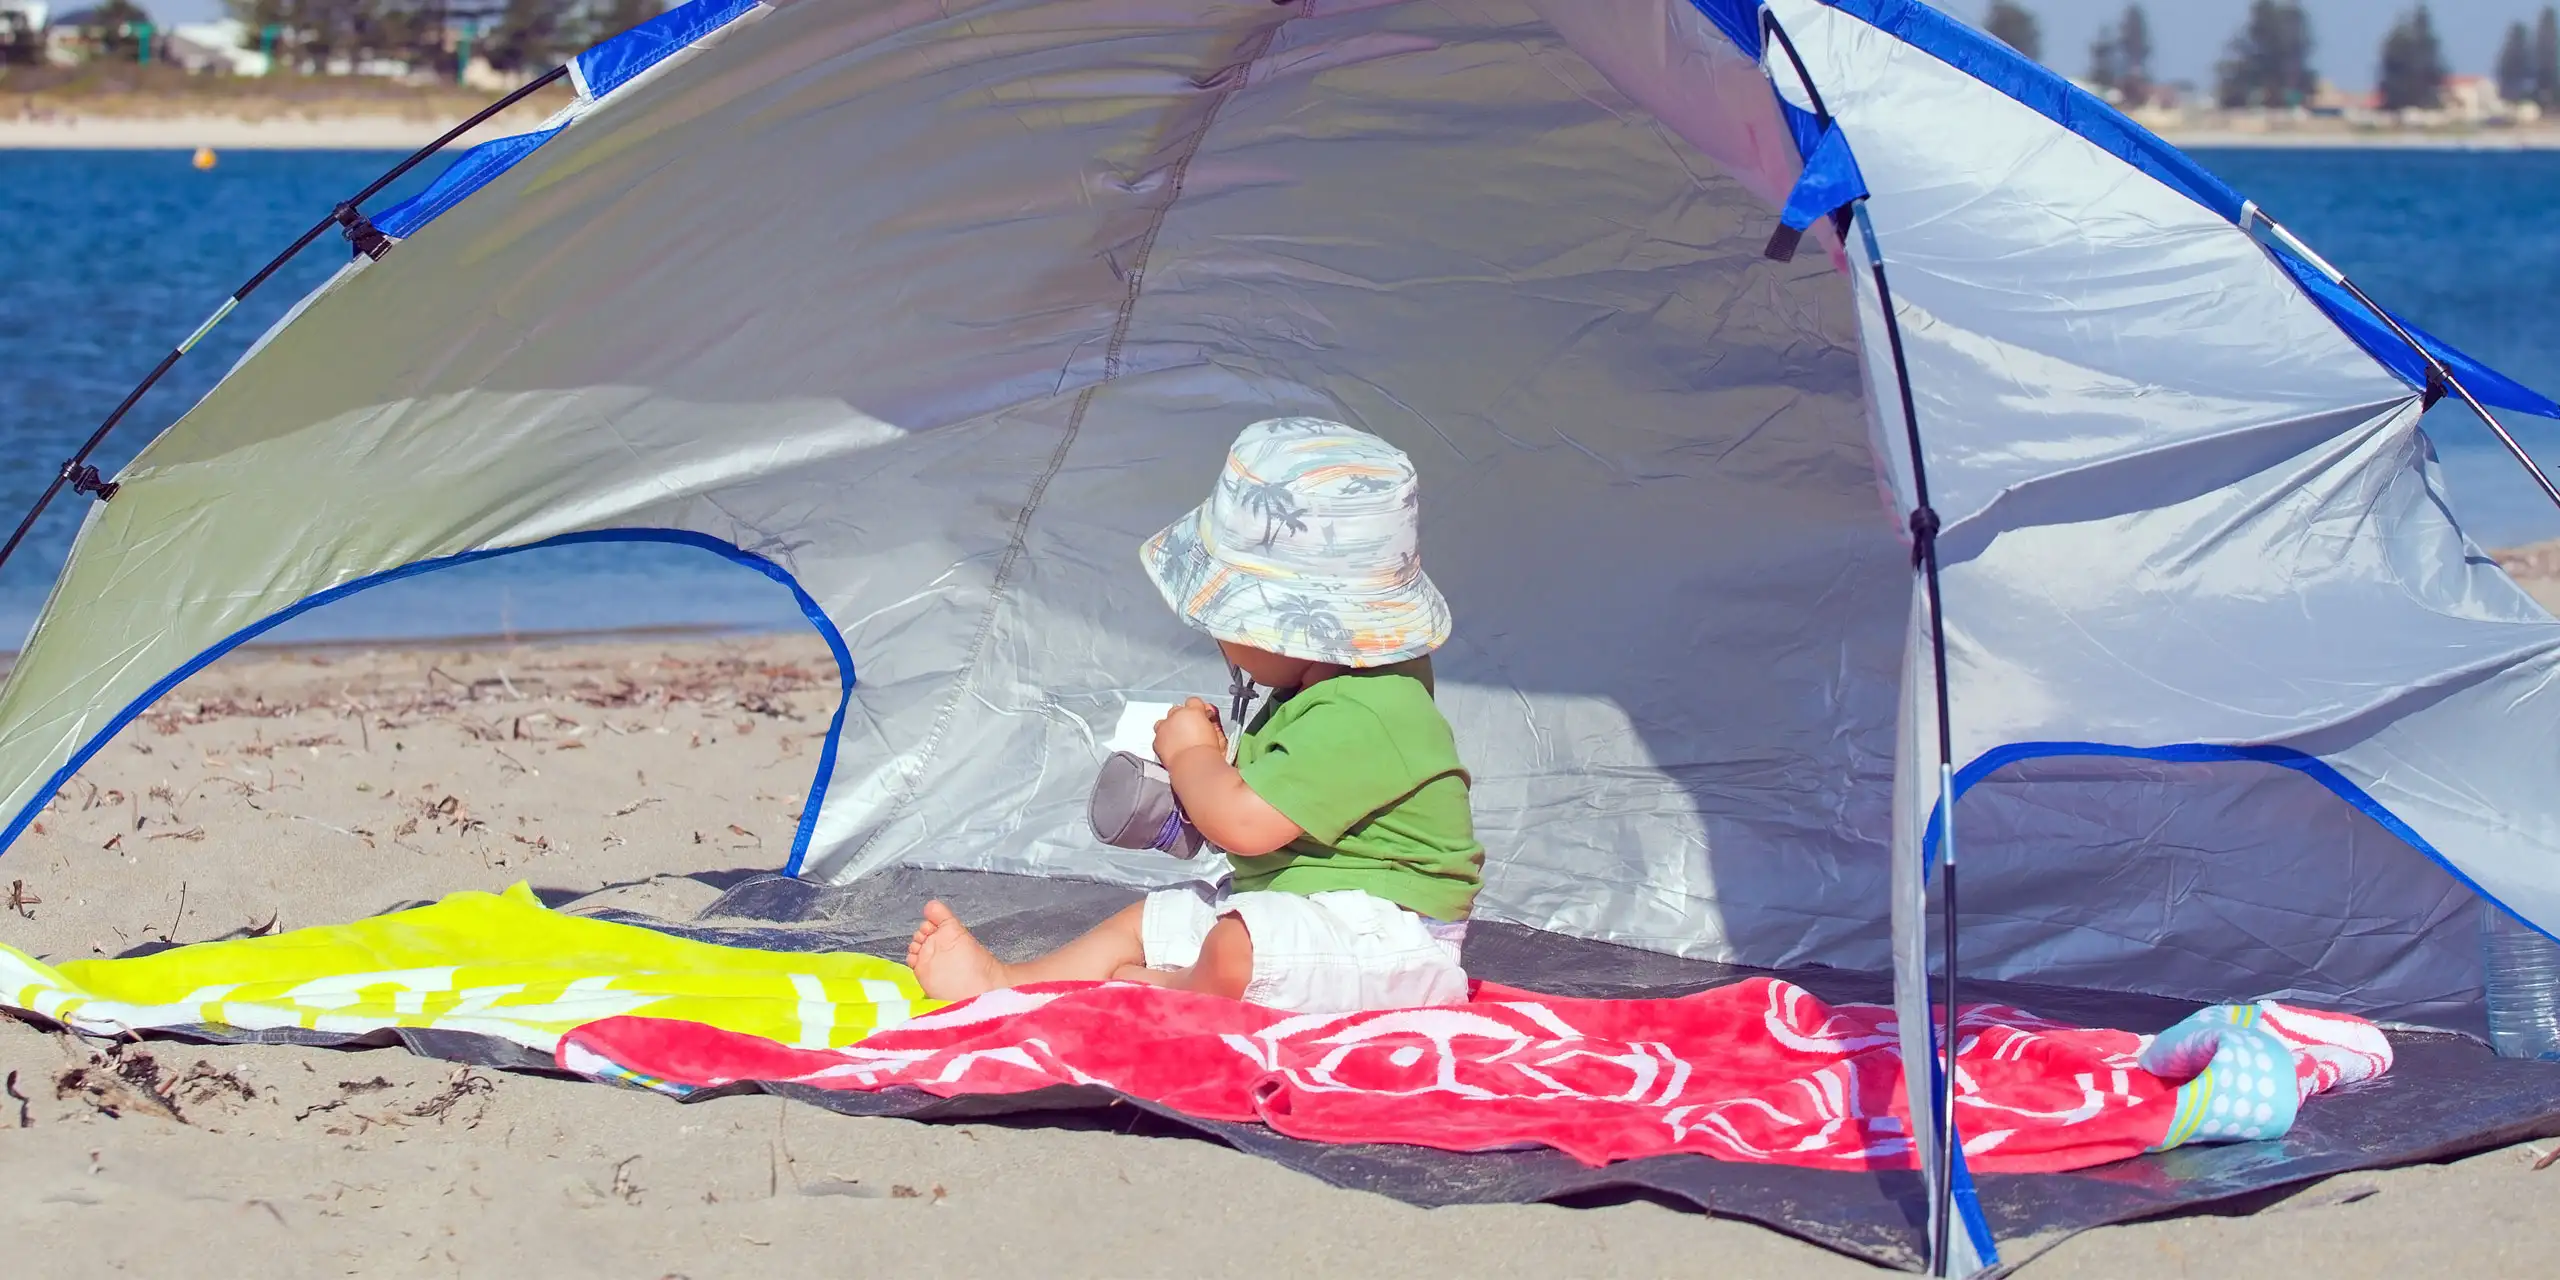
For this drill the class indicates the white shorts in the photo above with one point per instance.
(1336, 952)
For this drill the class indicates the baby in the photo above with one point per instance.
(1342, 806)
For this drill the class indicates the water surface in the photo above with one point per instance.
(114, 255)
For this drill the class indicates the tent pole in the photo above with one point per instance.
(2252, 214)
(1924, 560)
(84, 478)
(1924, 526)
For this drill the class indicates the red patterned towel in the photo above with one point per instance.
(1756, 1071)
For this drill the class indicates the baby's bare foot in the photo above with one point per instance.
(949, 962)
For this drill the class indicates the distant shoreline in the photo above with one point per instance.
(158, 124)
(384, 131)
(2378, 140)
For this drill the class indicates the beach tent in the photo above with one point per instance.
(932, 310)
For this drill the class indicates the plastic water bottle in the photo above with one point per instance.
(2523, 977)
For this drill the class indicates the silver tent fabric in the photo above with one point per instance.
(2233, 542)
(939, 308)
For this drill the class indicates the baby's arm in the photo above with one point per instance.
(1213, 794)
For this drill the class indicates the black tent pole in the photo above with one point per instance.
(2253, 217)
(360, 231)
(1924, 561)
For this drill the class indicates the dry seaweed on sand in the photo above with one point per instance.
(463, 1083)
(120, 1081)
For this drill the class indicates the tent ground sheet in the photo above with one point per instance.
(796, 986)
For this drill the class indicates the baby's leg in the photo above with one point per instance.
(951, 964)
(1224, 968)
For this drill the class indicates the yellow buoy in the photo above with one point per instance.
(204, 157)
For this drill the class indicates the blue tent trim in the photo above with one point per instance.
(1830, 181)
(681, 537)
(469, 172)
(2041, 90)
(611, 65)
(1968, 1200)
(1961, 1189)
(2494, 389)
(1965, 1195)
(2311, 766)
(2046, 93)
(600, 71)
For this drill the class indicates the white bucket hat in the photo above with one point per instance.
(1310, 547)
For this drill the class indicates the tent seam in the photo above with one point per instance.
(1229, 79)
(2012, 493)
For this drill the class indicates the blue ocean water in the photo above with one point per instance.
(2465, 244)
(112, 256)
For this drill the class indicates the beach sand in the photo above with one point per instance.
(303, 788)
(2536, 138)
(283, 129)
(183, 122)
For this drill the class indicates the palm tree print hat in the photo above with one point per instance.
(1310, 548)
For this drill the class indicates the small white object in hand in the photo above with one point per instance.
(1136, 732)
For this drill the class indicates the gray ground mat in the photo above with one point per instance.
(2445, 1096)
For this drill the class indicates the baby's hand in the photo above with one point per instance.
(1192, 725)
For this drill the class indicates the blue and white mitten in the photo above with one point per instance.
(2240, 1082)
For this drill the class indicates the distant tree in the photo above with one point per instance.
(320, 35)
(21, 44)
(2133, 55)
(2013, 25)
(602, 20)
(414, 32)
(115, 31)
(2268, 64)
(2516, 81)
(2413, 71)
(531, 35)
(302, 35)
(2546, 59)
(2120, 59)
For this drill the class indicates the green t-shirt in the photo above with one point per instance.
(1365, 765)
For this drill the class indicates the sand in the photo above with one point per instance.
(188, 129)
(301, 788)
(2536, 138)
(176, 122)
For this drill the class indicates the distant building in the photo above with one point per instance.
(2103, 92)
(66, 37)
(2330, 100)
(482, 76)
(2157, 102)
(2473, 99)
